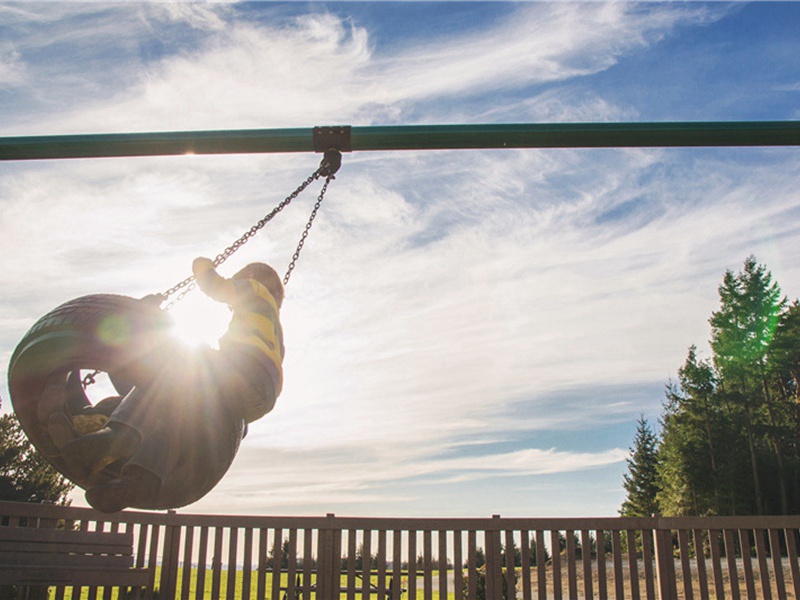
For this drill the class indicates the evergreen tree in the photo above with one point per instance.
(784, 366)
(25, 476)
(533, 552)
(700, 456)
(784, 355)
(742, 331)
(730, 434)
(641, 481)
(285, 554)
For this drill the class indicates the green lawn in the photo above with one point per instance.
(223, 586)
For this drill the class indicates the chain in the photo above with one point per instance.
(89, 378)
(329, 165)
(303, 237)
(331, 162)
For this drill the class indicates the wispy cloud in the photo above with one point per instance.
(442, 296)
(277, 479)
(317, 67)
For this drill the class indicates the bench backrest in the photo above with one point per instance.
(28, 546)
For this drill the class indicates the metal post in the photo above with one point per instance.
(406, 137)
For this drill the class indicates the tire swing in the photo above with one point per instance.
(129, 340)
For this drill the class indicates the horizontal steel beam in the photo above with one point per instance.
(407, 137)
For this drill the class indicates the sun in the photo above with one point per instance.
(199, 321)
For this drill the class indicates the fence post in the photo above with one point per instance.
(327, 563)
(494, 568)
(169, 565)
(665, 563)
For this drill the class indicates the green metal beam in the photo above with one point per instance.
(413, 137)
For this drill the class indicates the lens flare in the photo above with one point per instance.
(114, 330)
(200, 321)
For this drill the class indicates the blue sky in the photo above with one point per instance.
(468, 332)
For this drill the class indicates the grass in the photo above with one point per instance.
(239, 584)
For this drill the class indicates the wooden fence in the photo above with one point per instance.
(194, 556)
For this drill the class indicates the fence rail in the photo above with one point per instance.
(194, 556)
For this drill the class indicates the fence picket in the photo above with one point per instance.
(442, 563)
(458, 571)
(616, 553)
(427, 552)
(541, 564)
(602, 584)
(412, 565)
(233, 546)
(700, 562)
(525, 563)
(472, 571)
(633, 564)
(572, 575)
(308, 562)
(686, 565)
(267, 548)
(730, 557)
(202, 552)
(747, 563)
(188, 543)
(556, 546)
(586, 561)
(716, 563)
(777, 563)
(791, 550)
(763, 569)
(511, 579)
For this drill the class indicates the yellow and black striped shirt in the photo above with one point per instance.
(255, 325)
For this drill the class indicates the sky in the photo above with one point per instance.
(468, 332)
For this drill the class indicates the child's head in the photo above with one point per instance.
(266, 276)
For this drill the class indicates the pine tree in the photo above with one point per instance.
(641, 481)
(784, 367)
(742, 331)
(701, 458)
(729, 439)
(25, 476)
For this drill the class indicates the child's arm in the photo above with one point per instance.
(212, 283)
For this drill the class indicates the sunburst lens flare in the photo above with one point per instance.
(199, 321)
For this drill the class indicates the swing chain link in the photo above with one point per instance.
(331, 162)
(89, 378)
(303, 237)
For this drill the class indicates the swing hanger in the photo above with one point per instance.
(333, 138)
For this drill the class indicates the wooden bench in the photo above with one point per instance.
(65, 557)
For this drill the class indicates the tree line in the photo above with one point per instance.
(729, 435)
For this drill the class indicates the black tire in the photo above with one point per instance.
(119, 335)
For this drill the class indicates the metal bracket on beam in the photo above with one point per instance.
(332, 138)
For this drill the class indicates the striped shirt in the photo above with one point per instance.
(255, 327)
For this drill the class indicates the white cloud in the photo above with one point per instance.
(541, 42)
(204, 16)
(318, 68)
(12, 70)
(437, 290)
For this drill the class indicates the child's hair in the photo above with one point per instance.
(266, 276)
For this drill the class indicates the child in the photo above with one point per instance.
(174, 438)
(251, 352)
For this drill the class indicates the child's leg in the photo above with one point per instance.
(247, 384)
